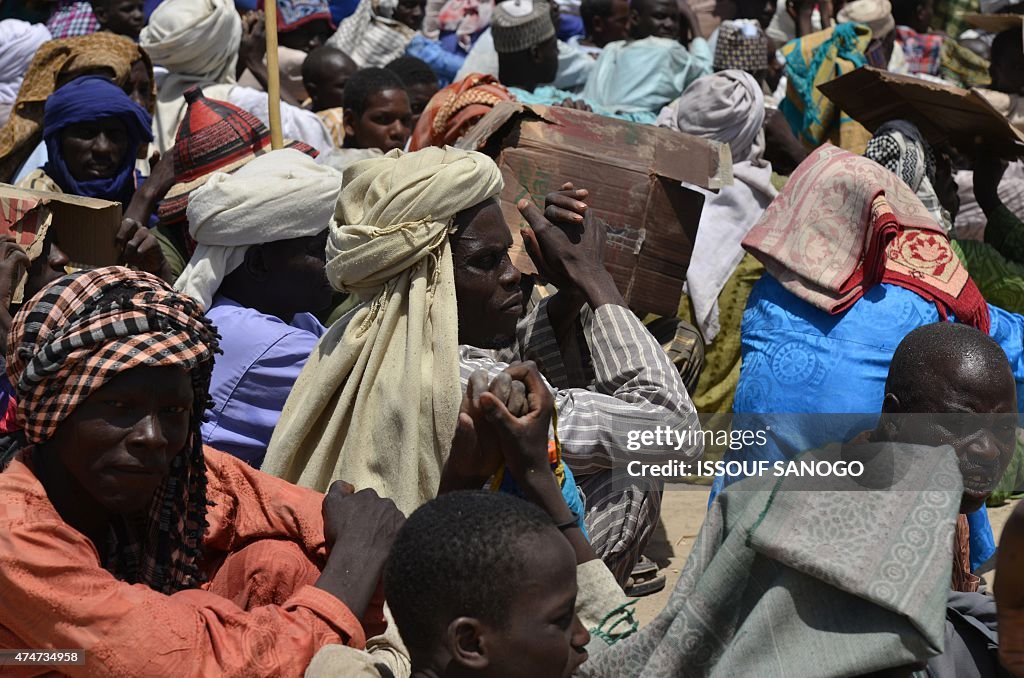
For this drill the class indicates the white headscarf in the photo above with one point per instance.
(727, 106)
(19, 41)
(278, 196)
(378, 401)
(197, 41)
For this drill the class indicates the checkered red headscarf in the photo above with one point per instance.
(75, 336)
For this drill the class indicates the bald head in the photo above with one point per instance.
(939, 360)
(324, 74)
(950, 384)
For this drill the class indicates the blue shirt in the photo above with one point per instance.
(251, 381)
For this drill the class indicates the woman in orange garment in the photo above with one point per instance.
(120, 534)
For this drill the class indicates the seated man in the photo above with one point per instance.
(377, 111)
(183, 560)
(838, 576)
(93, 132)
(258, 272)
(420, 83)
(124, 17)
(325, 72)
(420, 237)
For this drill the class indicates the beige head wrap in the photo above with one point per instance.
(278, 196)
(875, 14)
(197, 41)
(377, 403)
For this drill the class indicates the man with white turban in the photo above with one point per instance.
(727, 106)
(258, 271)
(197, 41)
(19, 40)
(421, 239)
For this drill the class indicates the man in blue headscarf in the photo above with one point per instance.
(93, 132)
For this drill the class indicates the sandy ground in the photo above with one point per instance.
(682, 513)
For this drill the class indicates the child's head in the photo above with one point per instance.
(325, 72)
(377, 113)
(124, 17)
(484, 583)
(420, 83)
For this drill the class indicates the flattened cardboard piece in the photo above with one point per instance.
(28, 222)
(943, 113)
(85, 228)
(994, 23)
(634, 174)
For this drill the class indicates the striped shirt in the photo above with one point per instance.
(633, 386)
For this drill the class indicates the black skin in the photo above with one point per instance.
(139, 87)
(282, 278)
(1007, 66)
(564, 245)
(109, 456)
(658, 18)
(1010, 591)
(410, 13)
(922, 19)
(306, 37)
(978, 408)
(760, 10)
(486, 283)
(420, 95)
(611, 28)
(96, 150)
(386, 123)
(124, 17)
(326, 85)
(530, 68)
(506, 422)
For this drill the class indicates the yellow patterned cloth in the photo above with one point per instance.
(334, 121)
(57, 62)
(814, 60)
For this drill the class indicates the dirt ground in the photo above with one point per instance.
(682, 513)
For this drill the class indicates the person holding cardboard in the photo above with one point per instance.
(423, 242)
(93, 132)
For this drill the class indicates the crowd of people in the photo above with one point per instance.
(317, 421)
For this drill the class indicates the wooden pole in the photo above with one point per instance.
(273, 75)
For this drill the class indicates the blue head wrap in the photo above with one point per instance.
(89, 99)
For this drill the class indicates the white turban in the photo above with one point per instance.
(19, 41)
(727, 106)
(378, 401)
(875, 14)
(278, 196)
(197, 41)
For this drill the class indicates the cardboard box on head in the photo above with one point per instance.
(943, 113)
(84, 228)
(635, 176)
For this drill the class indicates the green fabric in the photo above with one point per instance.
(810, 577)
(172, 243)
(717, 385)
(1000, 280)
(948, 15)
(1013, 479)
(1005, 232)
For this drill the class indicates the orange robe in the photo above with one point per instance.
(54, 594)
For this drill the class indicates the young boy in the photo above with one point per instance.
(377, 111)
(124, 17)
(420, 83)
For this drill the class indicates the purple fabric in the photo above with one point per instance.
(252, 379)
